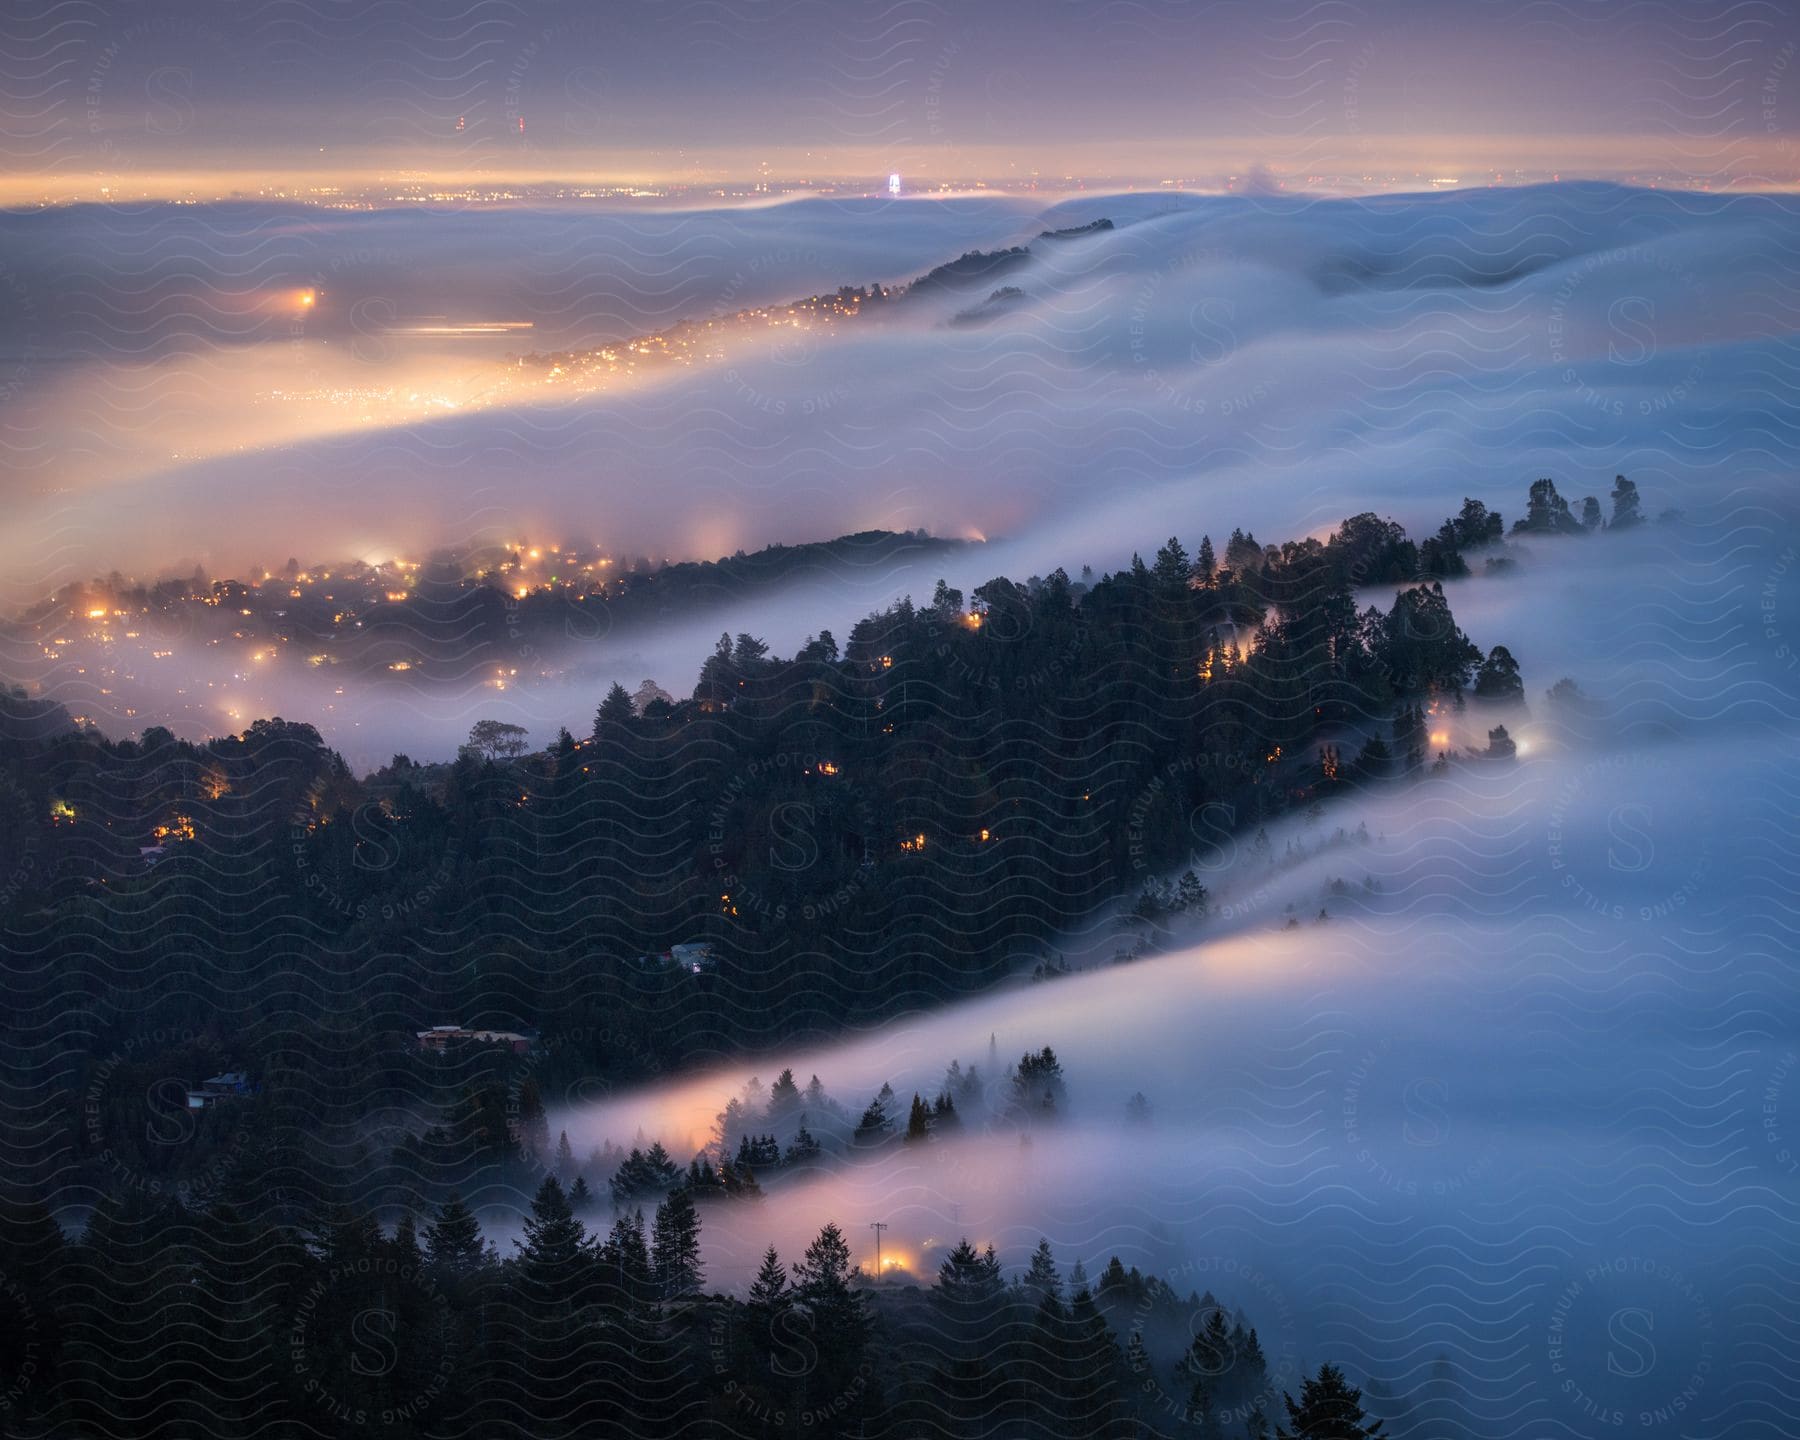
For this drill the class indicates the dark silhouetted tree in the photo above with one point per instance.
(1497, 677)
(675, 1247)
(1625, 503)
(1329, 1408)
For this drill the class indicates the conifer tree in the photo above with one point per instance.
(804, 1148)
(1206, 566)
(1329, 1408)
(675, 1247)
(615, 713)
(918, 1123)
(822, 1278)
(769, 1290)
(453, 1240)
(784, 1095)
(1041, 1277)
(555, 1251)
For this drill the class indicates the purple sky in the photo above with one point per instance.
(178, 95)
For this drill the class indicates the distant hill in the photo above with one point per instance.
(972, 268)
(1007, 297)
(1075, 232)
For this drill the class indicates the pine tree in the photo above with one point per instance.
(453, 1240)
(403, 1248)
(822, 1279)
(784, 1095)
(874, 1127)
(804, 1149)
(1208, 1367)
(662, 1170)
(1206, 566)
(555, 1250)
(968, 1277)
(1038, 1088)
(615, 713)
(675, 1247)
(1329, 1409)
(769, 1290)
(624, 1262)
(1171, 569)
(1041, 1277)
(918, 1123)
(740, 1182)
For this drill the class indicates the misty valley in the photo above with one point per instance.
(982, 722)
(1060, 849)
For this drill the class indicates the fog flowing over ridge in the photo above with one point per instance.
(1534, 1073)
(1209, 362)
(1155, 365)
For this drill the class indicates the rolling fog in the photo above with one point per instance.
(1530, 1102)
(1526, 1102)
(1215, 361)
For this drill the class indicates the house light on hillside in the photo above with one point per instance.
(178, 827)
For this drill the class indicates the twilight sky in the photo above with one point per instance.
(179, 96)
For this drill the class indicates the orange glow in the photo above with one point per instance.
(307, 299)
(1440, 737)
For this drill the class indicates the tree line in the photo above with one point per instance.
(854, 828)
(247, 1318)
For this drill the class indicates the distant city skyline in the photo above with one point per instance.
(198, 101)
